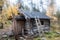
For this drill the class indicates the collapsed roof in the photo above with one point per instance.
(34, 14)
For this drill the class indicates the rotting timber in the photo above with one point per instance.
(19, 27)
(25, 26)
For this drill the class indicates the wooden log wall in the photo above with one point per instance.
(17, 28)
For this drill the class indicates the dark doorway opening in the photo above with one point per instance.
(42, 22)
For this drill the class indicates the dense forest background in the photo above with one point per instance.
(48, 7)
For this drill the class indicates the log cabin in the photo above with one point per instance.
(25, 23)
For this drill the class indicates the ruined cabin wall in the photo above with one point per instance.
(45, 25)
(18, 26)
(27, 25)
(43, 22)
(46, 21)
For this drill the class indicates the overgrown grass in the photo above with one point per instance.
(50, 36)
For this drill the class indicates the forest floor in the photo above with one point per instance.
(48, 36)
